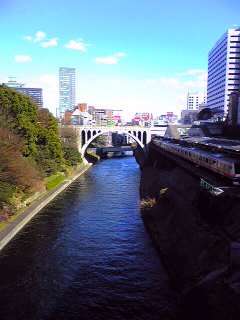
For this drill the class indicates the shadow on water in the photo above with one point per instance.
(194, 306)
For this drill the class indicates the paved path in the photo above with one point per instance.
(17, 224)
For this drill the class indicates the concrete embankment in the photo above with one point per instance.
(17, 224)
(193, 231)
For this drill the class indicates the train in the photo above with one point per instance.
(216, 162)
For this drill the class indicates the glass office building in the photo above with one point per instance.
(66, 90)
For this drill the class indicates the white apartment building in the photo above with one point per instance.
(194, 99)
(223, 72)
(66, 90)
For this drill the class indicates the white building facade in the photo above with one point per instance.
(81, 118)
(194, 99)
(223, 72)
(67, 95)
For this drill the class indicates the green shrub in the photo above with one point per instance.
(6, 192)
(72, 156)
(94, 155)
(54, 181)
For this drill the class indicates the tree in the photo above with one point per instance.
(15, 169)
(70, 146)
(69, 137)
(37, 126)
(49, 146)
(19, 115)
(205, 114)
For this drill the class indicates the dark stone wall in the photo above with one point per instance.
(193, 231)
(231, 132)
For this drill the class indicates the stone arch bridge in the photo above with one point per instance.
(87, 134)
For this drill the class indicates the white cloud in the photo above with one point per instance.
(172, 82)
(196, 78)
(179, 83)
(28, 38)
(191, 72)
(120, 54)
(4, 79)
(110, 59)
(49, 80)
(49, 84)
(78, 45)
(150, 82)
(203, 76)
(106, 60)
(40, 35)
(22, 58)
(50, 43)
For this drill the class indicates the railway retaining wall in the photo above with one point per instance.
(194, 232)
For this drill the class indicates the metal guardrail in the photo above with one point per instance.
(210, 188)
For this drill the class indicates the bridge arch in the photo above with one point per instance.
(144, 137)
(89, 134)
(83, 133)
(85, 146)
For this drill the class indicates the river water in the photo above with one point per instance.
(87, 255)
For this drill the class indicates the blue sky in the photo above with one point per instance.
(136, 55)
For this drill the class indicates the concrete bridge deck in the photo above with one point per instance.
(117, 149)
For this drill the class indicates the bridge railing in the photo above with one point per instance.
(112, 128)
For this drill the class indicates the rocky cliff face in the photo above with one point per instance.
(193, 231)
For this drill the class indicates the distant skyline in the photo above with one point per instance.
(129, 54)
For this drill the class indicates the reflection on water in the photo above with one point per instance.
(87, 255)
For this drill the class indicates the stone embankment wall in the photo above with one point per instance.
(193, 231)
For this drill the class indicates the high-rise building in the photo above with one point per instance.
(194, 99)
(35, 94)
(223, 72)
(66, 90)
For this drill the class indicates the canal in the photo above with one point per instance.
(87, 255)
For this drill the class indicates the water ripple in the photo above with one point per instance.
(87, 255)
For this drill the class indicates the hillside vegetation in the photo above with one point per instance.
(31, 149)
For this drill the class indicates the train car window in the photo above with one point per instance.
(206, 160)
(214, 162)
